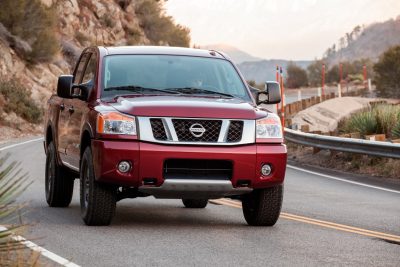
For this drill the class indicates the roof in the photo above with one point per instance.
(162, 50)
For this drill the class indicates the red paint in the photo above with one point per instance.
(148, 161)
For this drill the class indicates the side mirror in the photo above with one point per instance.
(271, 94)
(81, 91)
(64, 86)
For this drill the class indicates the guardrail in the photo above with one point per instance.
(358, 146)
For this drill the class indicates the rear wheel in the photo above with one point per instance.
(262, 207)
(195, 203)
(98, 201)
(59, 185)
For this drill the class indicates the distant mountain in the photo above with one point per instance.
(253, 68)
(369, 42)
(238, 56)
(265, 70)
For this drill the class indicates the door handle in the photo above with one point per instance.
(71, 109)
(62, 107)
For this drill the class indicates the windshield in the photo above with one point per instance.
(166, 74)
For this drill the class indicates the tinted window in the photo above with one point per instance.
(90, 71)
(81, 67)
(168, 72)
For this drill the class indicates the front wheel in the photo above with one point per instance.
(195, 203)
(98, 201)
(262, 207)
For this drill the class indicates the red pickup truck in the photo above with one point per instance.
(165, 122)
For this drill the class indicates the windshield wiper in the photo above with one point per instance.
(134, 88)
(194, 90)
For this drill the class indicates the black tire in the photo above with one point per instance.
(98, 201)
(262, 207)
(195, 203)
(59, 185)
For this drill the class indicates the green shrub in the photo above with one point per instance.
(34, 23)
(386, 116)
(365, 123)
(18, 100)
(396, 128)
(381, 119)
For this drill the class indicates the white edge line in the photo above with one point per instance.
(48, 254)
(20, 144)
(343, 180)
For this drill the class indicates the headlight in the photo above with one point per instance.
(116, 123)
(269, 127)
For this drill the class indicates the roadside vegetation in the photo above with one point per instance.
(35, 24)
(158, 27)
(379, 119)
(388, 74)
(18, 99)
(12, 184)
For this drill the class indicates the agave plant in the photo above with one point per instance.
(365, 123)
(387, 116)
(396, 128)
(12, 184)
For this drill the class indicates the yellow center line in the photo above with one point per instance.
(326, 224)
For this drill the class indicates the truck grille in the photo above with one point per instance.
(183, 130)
(198, 169)
(235, 131)
(158, 129)
(193, 131)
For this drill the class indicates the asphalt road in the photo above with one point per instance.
(150, 232)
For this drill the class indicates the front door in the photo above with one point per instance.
(78, 108)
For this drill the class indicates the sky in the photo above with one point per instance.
(284, 29)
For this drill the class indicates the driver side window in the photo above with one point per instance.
(90, 71)
(80, 68)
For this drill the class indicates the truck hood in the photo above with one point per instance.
(183, 106)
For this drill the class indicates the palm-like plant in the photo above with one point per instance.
(12, 183)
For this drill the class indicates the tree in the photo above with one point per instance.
(387, 74)
(314, 71)
(333, 76)
(33, 22)
(296, 76)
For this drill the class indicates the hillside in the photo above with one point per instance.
(368, 42)
(78, 24)
(238, 56)
(264, 70)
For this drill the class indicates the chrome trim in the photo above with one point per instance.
(194, 188)
(146, 133)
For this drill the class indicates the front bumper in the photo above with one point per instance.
(147, 161)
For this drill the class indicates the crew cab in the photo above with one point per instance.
(167, 122)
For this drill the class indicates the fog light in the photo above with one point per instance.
(124, 166)
(266, 169)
